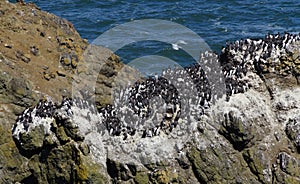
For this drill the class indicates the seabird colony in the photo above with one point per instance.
(156, 104)
(268, 55)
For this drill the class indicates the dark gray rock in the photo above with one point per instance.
(293, 132)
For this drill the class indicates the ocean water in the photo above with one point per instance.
(214, 21)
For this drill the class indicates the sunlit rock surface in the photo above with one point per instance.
(186, 131)
(250, 134)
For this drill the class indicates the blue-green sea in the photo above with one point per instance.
(216, 22)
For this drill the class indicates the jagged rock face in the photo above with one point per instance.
(292, 131)
(51, 142)
(249, 135)
(31, 43)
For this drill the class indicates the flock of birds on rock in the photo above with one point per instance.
(156, 104)
(258, 55)
(43, 109)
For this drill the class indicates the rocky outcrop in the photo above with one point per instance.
(248, 136)
(33, 48)
(52, 144)
(169, 132)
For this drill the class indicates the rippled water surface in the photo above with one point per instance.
(214, 21)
